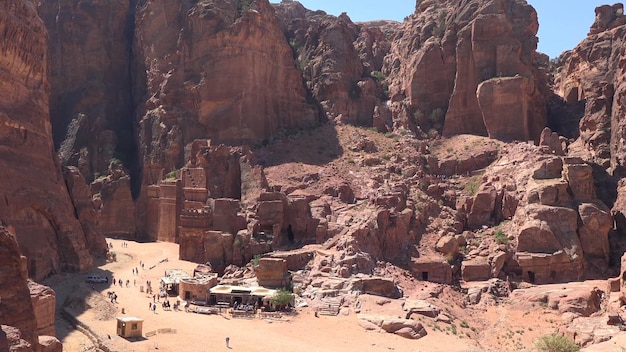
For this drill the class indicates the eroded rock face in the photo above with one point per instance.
(114, 203)
(16, 308)
(234, 56)
(90, 101)
(337, 59)
(11, 340)
(592, 73)
(36, 204)
(446, 50)
(85, 209)
(43, 299)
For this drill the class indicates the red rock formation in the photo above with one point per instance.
(90, 101)
(11, 340)
(447, 49)
(38, 206)
(16, 308)
(272, 272)
(560, 227)
(114, 203)
(85, 209)
(43, 299)
(593, 73)
(340, 61)
(212, 72)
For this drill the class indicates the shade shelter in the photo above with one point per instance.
(229, 295)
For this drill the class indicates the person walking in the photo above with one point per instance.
(227, 342)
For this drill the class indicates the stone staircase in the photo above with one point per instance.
(329, 308)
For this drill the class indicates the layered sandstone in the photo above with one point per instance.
(212, 70)
(85, 209)
(457, 65)
(114, 203)
(36, 204)
(340, 62)
(16, 308)
(90, 80)
(43, 300)
(592, 75)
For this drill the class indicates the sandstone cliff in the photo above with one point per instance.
(591, 76)
(35, 203)
(16, 308)
(90, 80)
(217, 70)
(457, 65)
(340, 62)
(592, 73)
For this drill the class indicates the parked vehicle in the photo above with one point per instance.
(96, 279)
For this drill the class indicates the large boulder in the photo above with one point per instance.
(509, 94)
(406, 328)
(272, 272)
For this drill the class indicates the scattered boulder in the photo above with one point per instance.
(420, 307)
(448, 245)
(406, 328)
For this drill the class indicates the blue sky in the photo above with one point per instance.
(562, 23)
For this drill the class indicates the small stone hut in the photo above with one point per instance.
(129, 327)
(197, 288)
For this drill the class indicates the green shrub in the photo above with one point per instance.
(172, 175)
(293, 44)
(282, 297)
(244, 6)
(379, 76)
(500, 236)
(256, 259)
(440, 29)
(556, 343)
(115, 162)
(471, 188)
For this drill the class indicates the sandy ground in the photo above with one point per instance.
(195, 332)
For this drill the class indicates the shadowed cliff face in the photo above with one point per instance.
(34, 197)
(90, 101)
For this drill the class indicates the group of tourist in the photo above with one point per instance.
(120, 282)
(112, 296)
